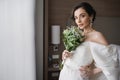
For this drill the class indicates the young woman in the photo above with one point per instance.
(94, 59)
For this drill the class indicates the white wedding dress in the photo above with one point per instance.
(105, 57)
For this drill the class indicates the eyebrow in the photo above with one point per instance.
(80, 14)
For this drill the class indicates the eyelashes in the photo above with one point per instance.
(80, 16)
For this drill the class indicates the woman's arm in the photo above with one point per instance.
(96, 70)
(87, 71)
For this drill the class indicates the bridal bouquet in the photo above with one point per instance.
(72, 38)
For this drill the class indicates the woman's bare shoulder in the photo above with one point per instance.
(99, 38)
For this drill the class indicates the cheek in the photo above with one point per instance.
(76, 22)
(86, 21)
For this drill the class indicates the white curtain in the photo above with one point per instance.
(17, 52)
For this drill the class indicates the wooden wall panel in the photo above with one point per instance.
(59, 11)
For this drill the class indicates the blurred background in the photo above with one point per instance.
(58, 13)
(27, 51)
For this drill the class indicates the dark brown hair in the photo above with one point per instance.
(87, 7)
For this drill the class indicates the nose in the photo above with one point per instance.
(79, 20)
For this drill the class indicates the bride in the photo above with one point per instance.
(94, 59)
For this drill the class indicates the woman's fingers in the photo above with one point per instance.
(85, 71)
(84, 74)
(83, 68)
(65, 54)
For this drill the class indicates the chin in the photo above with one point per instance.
(81, 27)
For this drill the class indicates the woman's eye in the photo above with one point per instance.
(75, 18)
(82, 15)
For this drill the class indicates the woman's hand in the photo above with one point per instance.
(87, 71)
(66, 54)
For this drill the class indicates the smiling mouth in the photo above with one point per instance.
(80, 25)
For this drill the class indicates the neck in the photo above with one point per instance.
(88, 30)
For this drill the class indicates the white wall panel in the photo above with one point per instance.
(17, 53)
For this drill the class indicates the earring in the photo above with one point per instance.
(91, 23)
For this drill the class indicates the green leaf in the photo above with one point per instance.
(72, 38)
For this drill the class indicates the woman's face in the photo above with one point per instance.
(82, 19)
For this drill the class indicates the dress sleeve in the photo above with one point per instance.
(106, 58)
